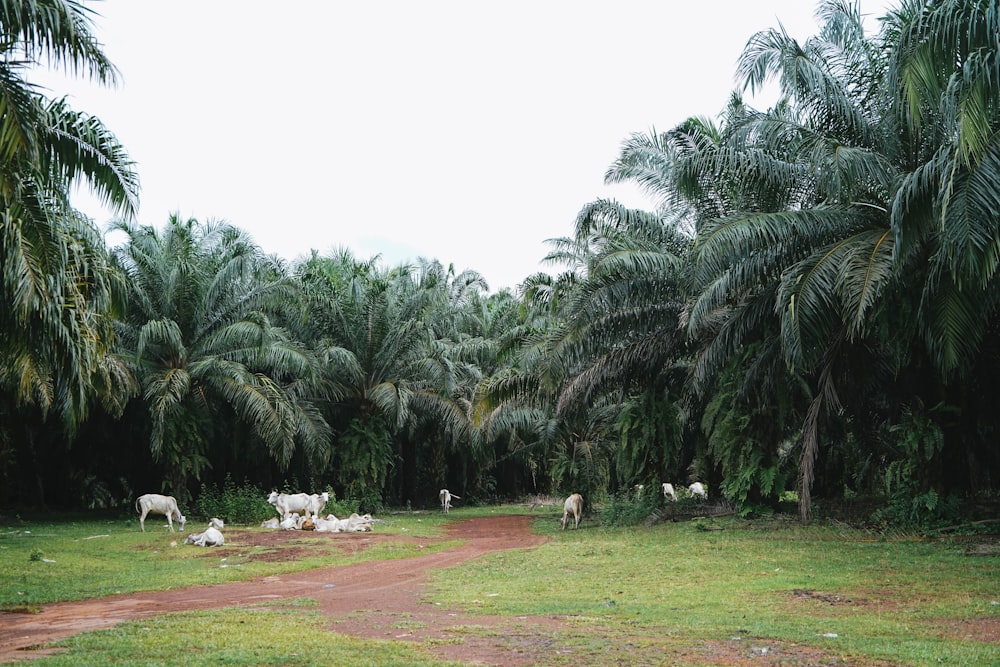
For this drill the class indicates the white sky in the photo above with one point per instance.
(465, 131)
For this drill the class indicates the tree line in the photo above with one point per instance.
(809, 312)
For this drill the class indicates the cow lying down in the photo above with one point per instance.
(212, 537)
(352, 524)
(356, 523)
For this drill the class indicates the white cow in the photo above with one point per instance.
(698, 490)
(445, 495)
(574, 506)
(303, 503)
(668, 491)
(154, 503)
(212, 537)
(353, 524)
(270, 523)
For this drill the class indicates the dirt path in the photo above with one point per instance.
(365, 600)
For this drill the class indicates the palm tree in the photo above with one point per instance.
(53, 282)
(848, 226)
(54, 326)
(392, 373)
(200, 337)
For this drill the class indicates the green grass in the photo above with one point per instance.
(903, 601)
(630, 596)
(257, 636)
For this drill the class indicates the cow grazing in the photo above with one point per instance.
(304, 504)
(698, 490)
(668, 491)
(154, 503)
(445, 496)
(574, 506)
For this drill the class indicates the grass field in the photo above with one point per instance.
(685, 593)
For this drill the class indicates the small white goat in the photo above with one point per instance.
(668, 491)
(445, 496)
(698, 490)
(574, 506)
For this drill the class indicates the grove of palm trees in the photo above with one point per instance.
(810, 315)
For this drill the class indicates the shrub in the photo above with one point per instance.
(625, 510)
(245, 504)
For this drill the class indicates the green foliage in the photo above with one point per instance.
(912, 500)
(649, 439)
(752, 471)
(624, 509)
(237, 504)
(363, 459)
(580, 467)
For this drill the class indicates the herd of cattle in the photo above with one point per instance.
(301, 511)
(296, 511)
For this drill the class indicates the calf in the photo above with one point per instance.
(574, 506)
(445, 496)
(156, 504)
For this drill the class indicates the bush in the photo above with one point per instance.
(625, 510)
(244, 504)
(908, 508)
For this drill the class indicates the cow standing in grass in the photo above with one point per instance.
(574, 506)
(154, 503)
(445, 496)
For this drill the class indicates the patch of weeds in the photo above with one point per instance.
(290, 602)
(468, 629)
(21, 609)
(451, 641)
(703, 524)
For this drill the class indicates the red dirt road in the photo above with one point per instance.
(365, 600)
